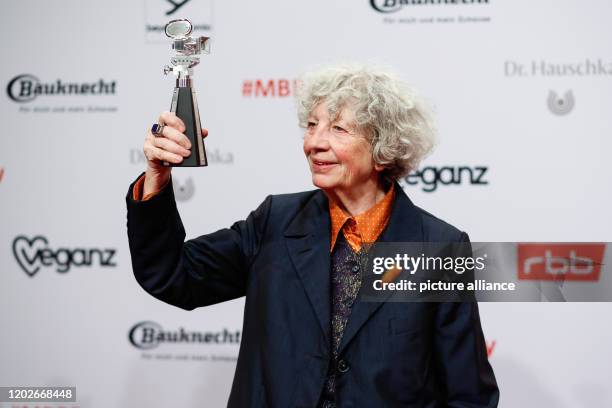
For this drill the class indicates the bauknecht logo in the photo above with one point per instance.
(391, 6)
(431, 176)
(26, 87)
(33, 253)
(147, 335)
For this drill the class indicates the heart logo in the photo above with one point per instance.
(26, 252)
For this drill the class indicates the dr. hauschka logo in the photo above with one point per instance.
(25, 88)
(431, 177)
(269, 88)
(32, 254)
(588, 67)
(159, 12)
(147, 335)
(392, 6)
(563, 262)
(183, 191)
(560, 105)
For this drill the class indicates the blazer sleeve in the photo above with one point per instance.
(206, 270)
(464, 370)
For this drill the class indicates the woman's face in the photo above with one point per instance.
(339, 155)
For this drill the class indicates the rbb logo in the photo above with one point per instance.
(268, 88)
(570, 262)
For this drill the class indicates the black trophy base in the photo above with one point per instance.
(185, 105)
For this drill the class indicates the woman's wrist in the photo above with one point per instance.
(155, 181)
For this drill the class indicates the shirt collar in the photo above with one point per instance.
(366, 227)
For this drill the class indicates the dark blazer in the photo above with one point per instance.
(397, 354)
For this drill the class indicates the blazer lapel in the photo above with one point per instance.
(405, 225)
(308, 241)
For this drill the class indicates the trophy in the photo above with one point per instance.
(184, 102)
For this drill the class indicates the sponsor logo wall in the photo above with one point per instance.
(522, 106)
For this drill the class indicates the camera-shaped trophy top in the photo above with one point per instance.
(187, 50)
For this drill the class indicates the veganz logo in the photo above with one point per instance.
(570, 262)
(32, 253)
(148, 335)
(26, 87)
(431, 177)
(391, 6)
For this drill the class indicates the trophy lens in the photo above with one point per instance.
(178, 28)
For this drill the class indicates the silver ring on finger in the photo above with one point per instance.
(157, 129)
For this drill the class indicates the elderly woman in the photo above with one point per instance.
(308, 340)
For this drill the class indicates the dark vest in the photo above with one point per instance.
(346, 266)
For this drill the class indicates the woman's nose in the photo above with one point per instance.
(317, 138)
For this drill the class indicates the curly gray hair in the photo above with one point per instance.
(398, 123)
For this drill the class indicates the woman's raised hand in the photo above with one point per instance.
(170, 146)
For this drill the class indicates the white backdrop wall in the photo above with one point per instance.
(489, 68)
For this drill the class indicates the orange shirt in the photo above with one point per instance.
(362, 228)
(138, 187)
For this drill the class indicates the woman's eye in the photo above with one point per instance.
(339, 129)
(310, 125)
